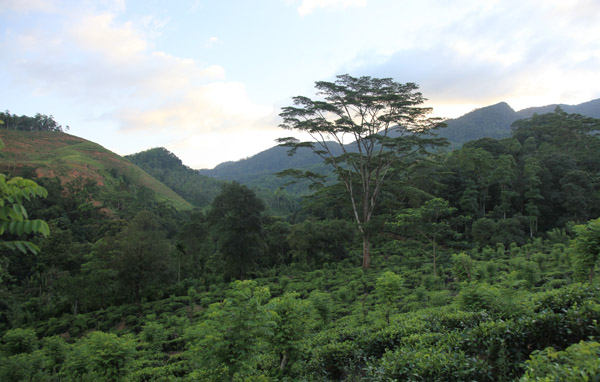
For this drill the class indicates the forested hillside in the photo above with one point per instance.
(494, 121)
(200, 190)
(165, 166)
(484, 268)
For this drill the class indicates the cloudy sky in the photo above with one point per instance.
(207, 79)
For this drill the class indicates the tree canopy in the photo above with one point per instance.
(236, 218)
(376, 122)
(40, 122)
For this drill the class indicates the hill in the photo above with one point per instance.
(69, 158)
(163, 165)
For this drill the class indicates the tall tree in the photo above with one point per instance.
(236, 218)
(141, 255)
(382, 118)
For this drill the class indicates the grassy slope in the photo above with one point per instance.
(54, 154)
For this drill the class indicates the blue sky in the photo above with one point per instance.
(207, 79)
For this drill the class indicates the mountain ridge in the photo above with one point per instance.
(491, 121)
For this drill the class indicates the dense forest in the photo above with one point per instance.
(483, 268)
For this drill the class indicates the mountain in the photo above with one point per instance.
(488, 122)
(492, 121)
(163, 165)
(70, 158)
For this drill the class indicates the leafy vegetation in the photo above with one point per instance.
(39, 122)
(484, 267)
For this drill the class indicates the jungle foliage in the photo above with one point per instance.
(484, 267)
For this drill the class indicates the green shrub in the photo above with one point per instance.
(477, 297)
(55, 351)
(429, 363)
(22, 367)
(17, 341)
(100, 357)
(335, 360)
(154, 334)
(579, 362)
(560, 300)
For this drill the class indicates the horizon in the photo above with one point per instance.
(207, 80)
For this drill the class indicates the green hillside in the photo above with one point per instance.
(68, 158)
(199, 190)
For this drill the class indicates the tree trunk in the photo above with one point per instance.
(434, 260)
(366, 251)
(284, 361)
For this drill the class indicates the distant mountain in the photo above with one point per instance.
(589, 109)
(488, 122)
(197, 189)
(494, 121)
(70, 158)
(265, 163)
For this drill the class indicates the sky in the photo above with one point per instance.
(207, 79)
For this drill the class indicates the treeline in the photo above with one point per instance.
(540, 179)
(40, 122)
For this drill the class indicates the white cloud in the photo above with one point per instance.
(117, 43)
(309, 6)
(524, 52)
(216, 106)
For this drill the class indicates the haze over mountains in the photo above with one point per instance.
(492, 121)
